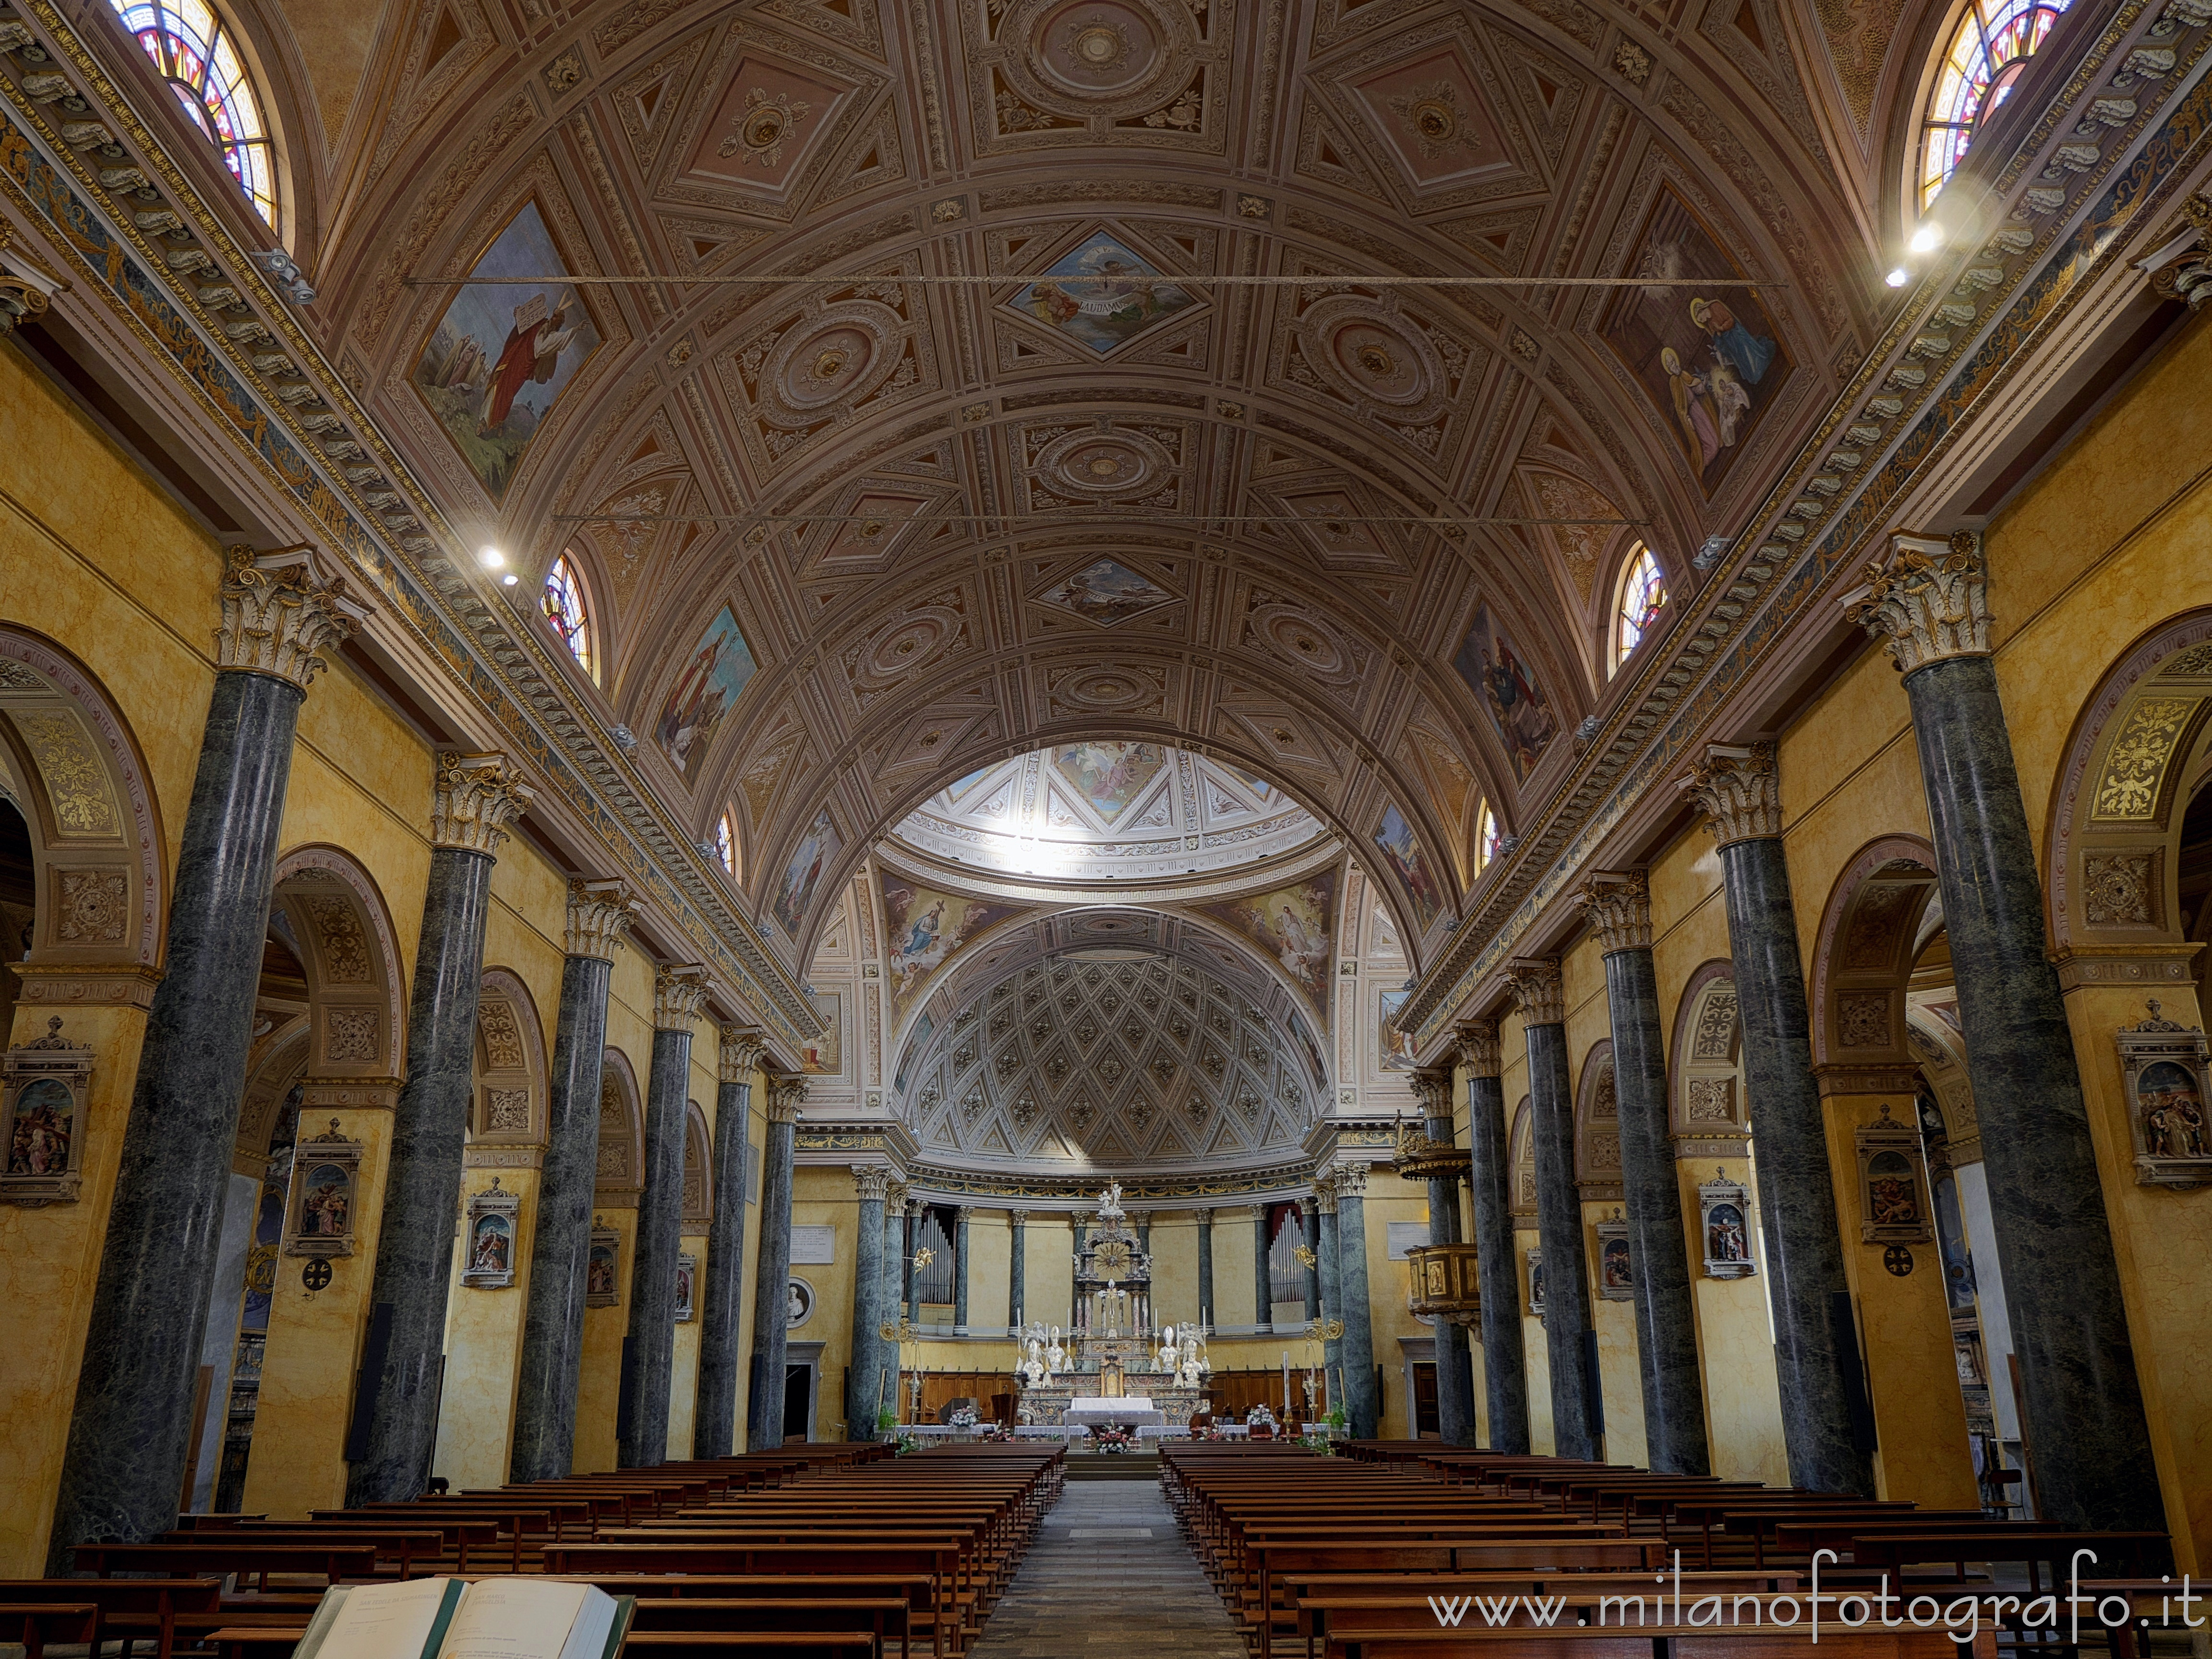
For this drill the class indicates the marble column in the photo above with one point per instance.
(1207, 1313)
(1454, 1370)
(1741, 793)
(894, 1289)
(917, 1216)
(648, 1356)
(600, 913)
(1535, 984)
(1332, 1287)
(1363, 1403)
(1505, 1362)
(1263, 1288)
(475, 796)
(1142, 1221)
(1310, 1222)
(2089, 1436)
(1017, 1270)
(787, 1094)
(967, 1214)
(722, 1293)
(1619, 909)
(131, 1420)
(867, 1393)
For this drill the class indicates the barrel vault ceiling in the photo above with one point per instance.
(954, 523)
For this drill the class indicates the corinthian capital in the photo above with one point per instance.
(1351, 1181)
(679, 991)
(742, 1053)
(476, 797)
(278, 613)
(1478, 1046)
(1740, 791)
(1432, 1087)
(786, 1093)
(1534, 982)
(599, 916)
(870, 1180)
(1618, 909)
(1927, 601)
(1325, 1194)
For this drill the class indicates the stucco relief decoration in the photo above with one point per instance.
(1715, 1037)
(350, 1035)
(614, 1162)
(1144, 68)
(92, 907)
(1384, 362)
(1863, 1019)
(1712, 1100)
(847, 351)
(758, 132)
(44, 1096)
(506, 1110)
(343, 942)
(474, 798)
(502, 1036)
(2117, 889)
(77, 783)
(279, 615)
(1429, 115)
(2164, 1068)
(1927, 599)
(2134, 775)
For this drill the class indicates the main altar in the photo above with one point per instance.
(1114, 1366)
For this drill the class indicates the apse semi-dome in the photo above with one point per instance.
(1110, 811)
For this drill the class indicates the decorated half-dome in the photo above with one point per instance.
(1107, 812)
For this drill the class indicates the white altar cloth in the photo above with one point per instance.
(1132, 1411)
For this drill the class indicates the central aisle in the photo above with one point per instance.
(1109, 1575)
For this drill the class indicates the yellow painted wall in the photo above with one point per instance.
(824, 1197)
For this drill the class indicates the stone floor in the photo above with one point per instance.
(1109, 1576)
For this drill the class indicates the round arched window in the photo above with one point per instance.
(1642, 596)
(196, 54)
(1991, 46)
(725, 842)
(1485, 837)
(568, 613)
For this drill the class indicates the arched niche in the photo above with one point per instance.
(511, 1105)
(1711, 1116)
(621, 1171)
(1521, 1155)
(2141, 752)
(96, 889)
(1941, 1049)
(1871, 932)
(330, 914)
(1597, 1126)
(698, 1164)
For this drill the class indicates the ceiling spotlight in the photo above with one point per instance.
(1928, 238)
(492, 557)
(509, 579)
(1899, 277)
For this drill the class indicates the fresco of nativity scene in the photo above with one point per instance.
(502, 354)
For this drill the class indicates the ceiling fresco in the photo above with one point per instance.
(956, 403)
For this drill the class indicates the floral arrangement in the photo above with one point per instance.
(907, 1445)
(1258, 1415)
(1113, 1438)
(997, 1432)
(962, 1419)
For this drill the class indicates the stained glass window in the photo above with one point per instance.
(726, 843)
(1994, 41)
(198, 55)
(1485, 837)
(1642, 596)
(568, 614)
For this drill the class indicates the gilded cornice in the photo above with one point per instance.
(1945, 362)
(323, 452)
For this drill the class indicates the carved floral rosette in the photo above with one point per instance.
(687, 1287)
(1616, 1275)
(1535, 1255)
(2163, 1067)
(1724, 1225)
(45, 1091)
(1893, 1201)
(325, 1195)
(494, 1234)
(603, 1266)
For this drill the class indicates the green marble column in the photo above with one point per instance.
(1504, 1361)
(1432, 1087)
(786, 1092)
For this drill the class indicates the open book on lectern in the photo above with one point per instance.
(451, 1619)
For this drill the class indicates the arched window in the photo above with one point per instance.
(1485, 837)
(1642, 596)
(569, 614)
(725, 842)
(198, 55)
(1992, 45)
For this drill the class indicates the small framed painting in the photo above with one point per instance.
(1892, 1183)
(1723, 1214)
(1616, 1279)
(43, 1098)
(687, 1285)
(602, 1280)
(326, 1183)
(2163, 1064)
(494, 1217)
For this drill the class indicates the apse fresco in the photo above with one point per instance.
(1101, 295)
(1711, 361)
(710, 682)
(1109, 776)
(816, 849)
(1402, 849)
(924, 928)
(1107, 592)
(1505, 685)
(1293, 926)
(500, 357)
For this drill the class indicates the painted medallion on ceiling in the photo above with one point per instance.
(1106, 592)
(1101, 293)
(1108, 811)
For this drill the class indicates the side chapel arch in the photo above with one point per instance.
(1597, 1126)
(621, 1170)
(511, 1094)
